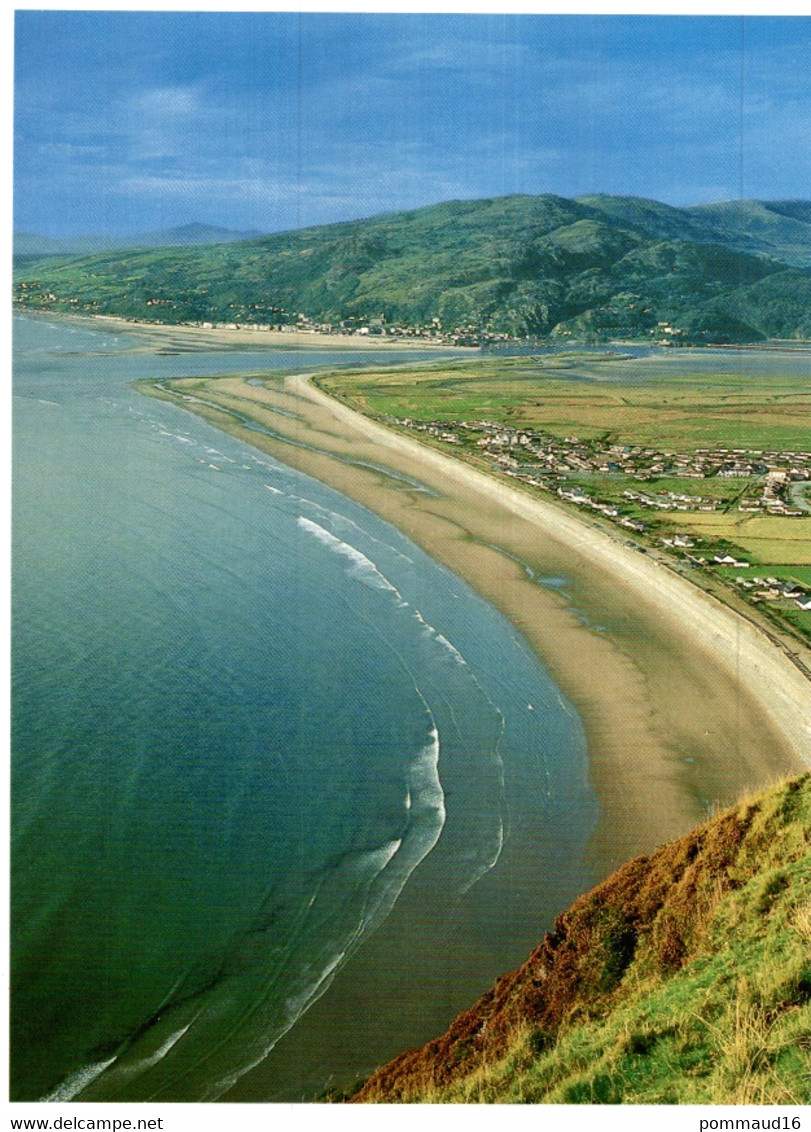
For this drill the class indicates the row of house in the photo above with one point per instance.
(545, 463)
(358, 328)
(774, 499)
(775, 589)
(672, 501)
(533, 450)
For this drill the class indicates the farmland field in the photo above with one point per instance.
(767, 539)
(652, 400)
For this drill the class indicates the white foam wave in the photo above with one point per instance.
(342, 520)
(377, 859)
(457, 656)
(391, 865)
(424, 805)
(158, 1055)
(305, 502)
(425, 788)
(434, 634)
(483, 867)
(78, 1081)
(274, 490)
(362, 568)
(296, 1006)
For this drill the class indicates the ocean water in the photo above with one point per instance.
(246, 715)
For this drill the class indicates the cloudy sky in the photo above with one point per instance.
(131, 121)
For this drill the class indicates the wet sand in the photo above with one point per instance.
(685, 705)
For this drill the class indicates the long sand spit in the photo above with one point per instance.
(685, 703)
(179, 337)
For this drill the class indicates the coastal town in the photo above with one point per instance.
(430, 332)
(592, 474)
(166, 311)
(433, 332)
(263, 320)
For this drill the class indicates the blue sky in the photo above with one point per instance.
(130, 121)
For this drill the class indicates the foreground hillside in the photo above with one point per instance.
(683, 978)
(594, 269)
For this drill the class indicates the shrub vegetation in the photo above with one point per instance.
(685, 978)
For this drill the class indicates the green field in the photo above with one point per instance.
(767, 539)
(800, 575)
(632, 401)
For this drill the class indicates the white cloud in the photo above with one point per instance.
(169, 102)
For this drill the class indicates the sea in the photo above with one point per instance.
(249, 718)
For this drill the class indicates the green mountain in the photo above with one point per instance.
(684, 978)
(593, 269)
(777, 228)
(780, 230)
(661, 221)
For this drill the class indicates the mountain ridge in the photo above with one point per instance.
(542, 267)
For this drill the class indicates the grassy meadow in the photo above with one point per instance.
(769, 540)
(651, 401)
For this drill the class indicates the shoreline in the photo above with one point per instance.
(685, 704)
(207, 337)
(243, 334)
(738, 641)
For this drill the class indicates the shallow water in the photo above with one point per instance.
(247, 717)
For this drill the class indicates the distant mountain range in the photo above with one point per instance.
(592, 269)
(27, 244)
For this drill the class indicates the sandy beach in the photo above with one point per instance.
(685, 704)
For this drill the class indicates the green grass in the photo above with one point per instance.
(632, 401)
(766, 540)
(729, 1022)
(800, 575)
(728, 1029)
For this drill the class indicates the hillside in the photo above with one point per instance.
(594, 269)
(777, 229)
(683, 978)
